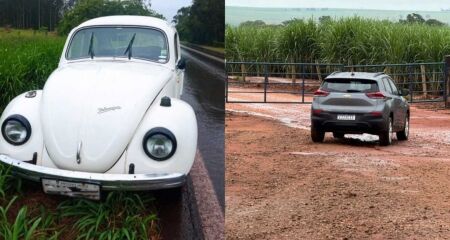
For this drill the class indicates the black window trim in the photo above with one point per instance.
(388, 88)
(391, 82)
(116, 26)
(176, 44)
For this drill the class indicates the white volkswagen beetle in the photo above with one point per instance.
(109, 117)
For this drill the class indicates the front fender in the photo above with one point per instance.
(180, 119)
(28, 108)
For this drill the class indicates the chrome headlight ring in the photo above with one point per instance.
(16, 130)
(159, 144)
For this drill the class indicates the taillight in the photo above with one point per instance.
(375, 95)
(376, 114)
(321, 93)
(317, 111)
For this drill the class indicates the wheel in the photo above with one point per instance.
(404, 134)
(317, 135)
(338, 135)
(386, 136)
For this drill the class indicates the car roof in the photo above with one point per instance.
(131, 21)
(356, 75)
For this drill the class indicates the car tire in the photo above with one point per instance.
(404, 134)
(338, 135)
(386, 136)
(317, 135)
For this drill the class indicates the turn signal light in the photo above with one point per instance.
(376, 95)
(321, 93)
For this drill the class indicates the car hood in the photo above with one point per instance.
(92, 110)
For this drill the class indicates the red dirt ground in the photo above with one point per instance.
(280, 185)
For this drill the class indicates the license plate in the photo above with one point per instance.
(346, 117)
(72, 189)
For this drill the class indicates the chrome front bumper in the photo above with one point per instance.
(107, 181)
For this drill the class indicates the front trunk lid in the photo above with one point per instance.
(91, 110)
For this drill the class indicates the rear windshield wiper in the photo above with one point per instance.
(130, 45)
(353, 91)
(91, 46)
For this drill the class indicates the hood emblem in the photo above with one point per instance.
(80, 144)
(107, 109)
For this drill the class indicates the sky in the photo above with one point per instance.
(423, 5)
(169, 8)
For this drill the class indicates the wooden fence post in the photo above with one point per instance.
(243, 70)
(319, 73)
(424, 81)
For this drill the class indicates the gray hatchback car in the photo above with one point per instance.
(360, 102)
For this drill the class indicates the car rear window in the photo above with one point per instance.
(350, 85)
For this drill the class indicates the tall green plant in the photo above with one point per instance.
(352, 40)
(120, 216)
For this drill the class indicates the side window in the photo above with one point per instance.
(176, 46)
(394, 88)
(387, 86)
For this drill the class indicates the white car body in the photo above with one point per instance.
(89, 121)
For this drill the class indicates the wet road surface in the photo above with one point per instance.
(204, 88)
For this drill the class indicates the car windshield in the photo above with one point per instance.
(129, 42)
(350, 85)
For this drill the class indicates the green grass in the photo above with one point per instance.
(120, 216)
(345, 41)
(27, 58)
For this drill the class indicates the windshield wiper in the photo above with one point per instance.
(353, 90)
(91, 45)
(130, 45)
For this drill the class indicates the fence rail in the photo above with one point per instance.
(261, 82)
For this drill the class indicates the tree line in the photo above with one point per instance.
(202, 23)
(412, 18)
(34, 14)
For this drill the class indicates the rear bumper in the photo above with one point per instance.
(364, 123)
(126, 182)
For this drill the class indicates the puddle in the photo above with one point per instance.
(363, 137)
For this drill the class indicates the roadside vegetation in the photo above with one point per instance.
(345, 41)
(27, 214)
(26, 60)
(202, 23)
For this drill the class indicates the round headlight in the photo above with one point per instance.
(159, 144)
(16, 130)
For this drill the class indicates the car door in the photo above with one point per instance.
(179, 72)
(399, 110)
(392, 103)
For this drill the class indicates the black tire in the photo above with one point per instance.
(338, 135)
(386, 136)
(404, 134)
(317, 135)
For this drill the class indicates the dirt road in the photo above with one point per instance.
(280, 185)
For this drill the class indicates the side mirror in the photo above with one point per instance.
(404, 92)
(181, 64)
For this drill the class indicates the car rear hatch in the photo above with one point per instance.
(349, 96)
